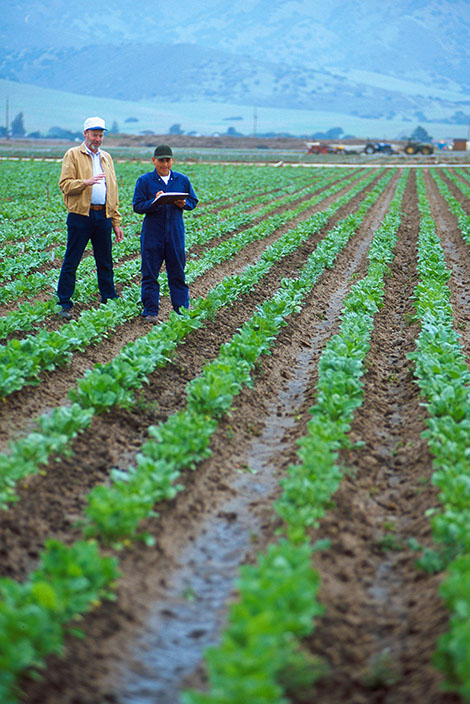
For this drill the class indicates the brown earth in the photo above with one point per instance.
(382, 615)
(178, 140)
(252, 145)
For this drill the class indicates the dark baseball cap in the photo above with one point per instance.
(163, 151)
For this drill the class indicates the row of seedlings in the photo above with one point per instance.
(159, 465)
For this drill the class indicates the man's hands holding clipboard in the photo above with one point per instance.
(173, 197)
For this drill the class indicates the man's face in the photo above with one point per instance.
(93, 139)
(163, 166)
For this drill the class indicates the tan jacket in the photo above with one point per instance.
(76, 167)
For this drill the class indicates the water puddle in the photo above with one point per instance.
(180, 628)
(191, 617)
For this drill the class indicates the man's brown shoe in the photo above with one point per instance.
(151, 318)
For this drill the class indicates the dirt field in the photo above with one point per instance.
(382, 615)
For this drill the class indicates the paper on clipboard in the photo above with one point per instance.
(170, 197)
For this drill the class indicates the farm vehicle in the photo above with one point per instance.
(411, 147)
(379, 148)
(418, 148)
(326, 148)
(345, 148)
(319, 148)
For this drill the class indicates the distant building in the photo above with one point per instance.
(460, 145)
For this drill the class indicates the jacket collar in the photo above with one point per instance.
(157, 177)
(84, 150)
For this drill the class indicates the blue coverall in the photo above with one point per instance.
(162, 239)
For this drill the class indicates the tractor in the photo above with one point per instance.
(379, 147)
(318, 148)
(418, 148)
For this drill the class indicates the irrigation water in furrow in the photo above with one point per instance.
(233, 519)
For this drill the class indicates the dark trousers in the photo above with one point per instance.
(156, 250)
(80, 230)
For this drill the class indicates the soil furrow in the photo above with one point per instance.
(277, 396)
(457, 256)
(383, 615)
(55, 385)
(455, 190)
(113, 438)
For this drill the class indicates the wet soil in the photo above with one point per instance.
(382, 614)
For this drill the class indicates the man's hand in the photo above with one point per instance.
(94, 179)
(118, 232)
(180, 203)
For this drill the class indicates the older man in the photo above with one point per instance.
(89, 186)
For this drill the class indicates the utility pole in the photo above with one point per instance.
(255, 118)
(7, 120)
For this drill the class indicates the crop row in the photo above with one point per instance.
(38, 249)
(109, 510)
(113, 383)
(209, 396)
(442, 374)
(23, 255)
(200, 230)
(30, 188)
(444, 380)
(23, 361)
(260, 657)
(454, 205)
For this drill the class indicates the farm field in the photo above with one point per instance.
(265, 499)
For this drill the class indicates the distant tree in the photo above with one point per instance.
(3, 131)
(420, 135)
(232, 132)
(114, 128)
(17, 126)
(275, 134)
(34, 135)
(61, 133)
(460, 118)
(175, 129)
(334, 132)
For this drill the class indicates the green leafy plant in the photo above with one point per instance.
(34, 615)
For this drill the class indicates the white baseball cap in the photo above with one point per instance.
(94, 123)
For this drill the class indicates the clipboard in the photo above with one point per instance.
(170, 197)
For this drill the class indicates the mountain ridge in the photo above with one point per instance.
(398, 37)
(194, 73)
(401, 62)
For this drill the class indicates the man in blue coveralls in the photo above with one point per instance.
(162, 235)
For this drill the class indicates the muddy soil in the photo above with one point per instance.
(382, 614)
